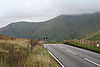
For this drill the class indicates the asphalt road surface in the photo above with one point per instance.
(69, 56)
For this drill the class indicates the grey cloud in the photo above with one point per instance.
(41, 10)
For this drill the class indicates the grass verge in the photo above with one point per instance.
(41, 58)
(87, 47)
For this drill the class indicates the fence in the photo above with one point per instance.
(15, 57)
(87, 42)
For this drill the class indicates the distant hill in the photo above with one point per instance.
(57, 29)
(20, 29)
(92, 36)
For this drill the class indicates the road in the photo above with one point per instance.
(69, 56)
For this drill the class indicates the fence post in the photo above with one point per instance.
(32, 45)
(86, 42)
(94, 43)
(80, 41)
(28, 48)
(12, 56)
(0, 62)
(6, 61)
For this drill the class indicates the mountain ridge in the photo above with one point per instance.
(57, 29)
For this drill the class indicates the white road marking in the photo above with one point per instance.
(92, 62)
(44, 46)
(56, 59)
(60, 47)
(72, 52)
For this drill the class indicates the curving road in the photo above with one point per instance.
(69, 56)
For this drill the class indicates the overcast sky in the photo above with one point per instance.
(42, 10)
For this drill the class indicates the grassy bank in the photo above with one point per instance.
(13, 53)
(87, 47)
(25, 53)
(41, 58)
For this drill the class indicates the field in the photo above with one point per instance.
(16, 52)
(13, 52)
(41, 58)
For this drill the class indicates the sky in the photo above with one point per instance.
(42, 10)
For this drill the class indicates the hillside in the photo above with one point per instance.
(57, 29)
(92, 36)
(20, 29)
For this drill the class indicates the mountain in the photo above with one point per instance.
(20, 29)
(57, 29)
(92, 36)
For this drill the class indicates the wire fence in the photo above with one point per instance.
(87, 42)
(10, 56)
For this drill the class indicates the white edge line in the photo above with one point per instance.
(44, 46)
(92, 62)
(56, 59)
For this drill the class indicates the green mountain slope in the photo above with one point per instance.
(57, 29)
(21, 29)
(92, 36)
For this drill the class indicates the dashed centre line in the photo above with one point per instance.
(72, 52)
(69, 51)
